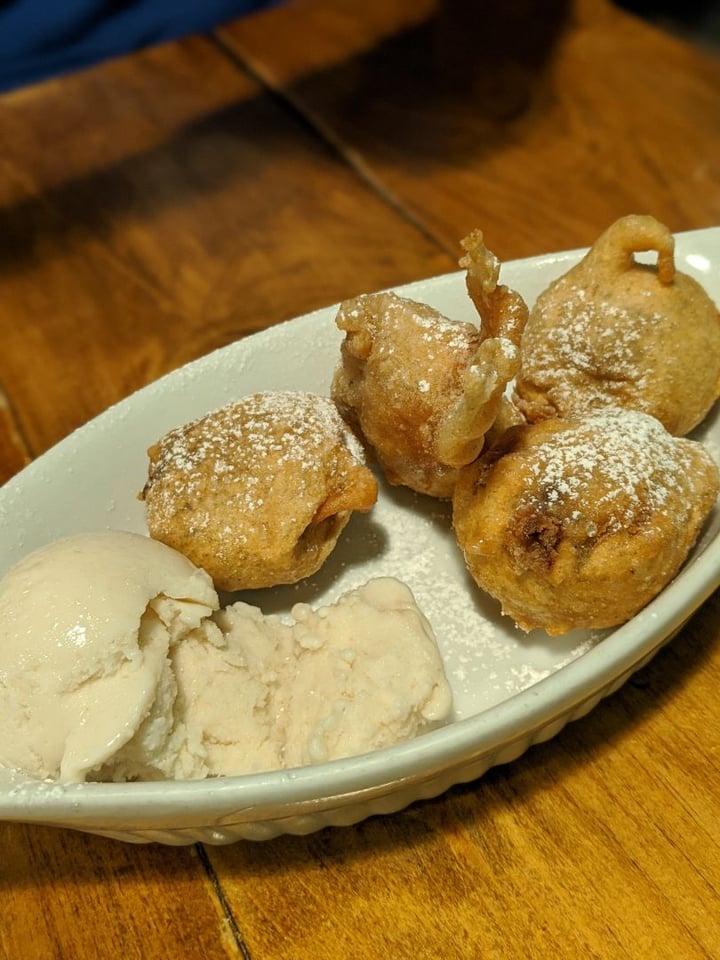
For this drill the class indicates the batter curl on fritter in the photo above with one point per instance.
(258, 492)
(425, 391)
(579, 523)
(613, 331)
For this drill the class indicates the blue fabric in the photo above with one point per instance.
(41, 38)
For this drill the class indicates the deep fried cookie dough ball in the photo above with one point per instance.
(423, 390)
(613, 331)
(580, 523)
(258, 492)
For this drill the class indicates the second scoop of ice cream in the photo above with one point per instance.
(255, 693)
(359, 675)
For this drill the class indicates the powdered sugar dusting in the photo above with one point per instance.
(606, 355)
(247, 479)
(290, 424)
(239, 441)
(438, 329)
(622, 461)
(435, 331)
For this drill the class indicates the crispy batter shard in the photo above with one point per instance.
(579, 523)
(614, 331)
(425, 391)
(258, 492)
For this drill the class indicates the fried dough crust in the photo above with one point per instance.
(580, 523)
(258, 492)
(425, 391)
(615, 332)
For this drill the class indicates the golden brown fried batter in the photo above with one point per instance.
(424, 391)
(258, 491)
(580, 523)
(613, 331)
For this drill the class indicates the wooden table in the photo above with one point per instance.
(161, 205)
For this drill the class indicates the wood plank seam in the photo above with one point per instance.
(328, 136)
(223, 902)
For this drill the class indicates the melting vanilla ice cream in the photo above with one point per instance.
(361, 674)
(86, 625)
(116, 664)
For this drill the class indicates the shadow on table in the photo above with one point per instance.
(452, 87)
(445, 91)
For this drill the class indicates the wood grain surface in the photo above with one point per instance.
(532, 119)
(164, 204)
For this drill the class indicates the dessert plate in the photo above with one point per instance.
(511, 690)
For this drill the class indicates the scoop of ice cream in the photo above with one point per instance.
(257, 693)
(368, 674)
(87, 624)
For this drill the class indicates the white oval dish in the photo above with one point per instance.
(511, 690)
